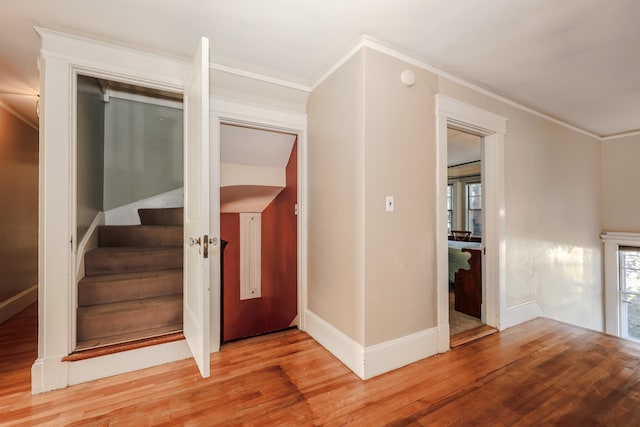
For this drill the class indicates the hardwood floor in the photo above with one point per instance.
(539, 373)
(471, 335)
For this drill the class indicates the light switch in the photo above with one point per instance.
(389, 204)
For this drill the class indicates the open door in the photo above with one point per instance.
(196, 209)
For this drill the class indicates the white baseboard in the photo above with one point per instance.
(17, 303)
(377, 359)
(520, 313)
(128, 214)
(127, 361)
(51, 373)
(394, 354)
(444, 338)
(341, 346)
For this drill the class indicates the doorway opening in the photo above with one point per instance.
(465, 217)
(259, 230)
(128, 214)
(451, 113)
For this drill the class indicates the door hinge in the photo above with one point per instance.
(295, 209)
(71, 243)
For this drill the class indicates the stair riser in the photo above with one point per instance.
(93, 326)
(140, 236)
(96, 263)
(165, 216)
(129, 289)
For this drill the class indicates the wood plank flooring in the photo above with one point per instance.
(539, 373)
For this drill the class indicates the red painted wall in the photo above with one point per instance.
(277, 307)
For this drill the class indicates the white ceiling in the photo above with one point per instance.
(576, 60)
(462, 147)
(247, 146)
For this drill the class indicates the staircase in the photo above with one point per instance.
(132, 289)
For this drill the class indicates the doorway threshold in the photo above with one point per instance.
(87, 351)
(471, 335)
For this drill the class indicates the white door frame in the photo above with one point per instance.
(62, 56)
(492, 127)
(229, 112)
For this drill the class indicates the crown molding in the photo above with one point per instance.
(260, 77)
(18, 116)
(621, 135)
(371, 43)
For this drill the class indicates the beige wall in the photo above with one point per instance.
(621, 184)
(552, 213)
(387, 268)
(335, 185)
(90, 153)
(19, 206)
(399, 161)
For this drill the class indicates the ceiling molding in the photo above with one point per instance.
(370, 42)
(257, 76)
(621, 135)
(18, 115)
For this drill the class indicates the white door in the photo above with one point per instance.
(196, 209)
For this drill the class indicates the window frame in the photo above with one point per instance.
(468, 207)
(615, 321)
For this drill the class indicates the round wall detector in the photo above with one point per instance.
(408, 78)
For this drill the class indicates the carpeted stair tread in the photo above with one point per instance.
(162, 216)
(108, 288)
(129, 337)
(127, 317)
(113, 260)
(140, 235)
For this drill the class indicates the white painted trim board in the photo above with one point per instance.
(15, 304)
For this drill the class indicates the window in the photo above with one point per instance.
(474, 208)
(449, 207)
(629, 291)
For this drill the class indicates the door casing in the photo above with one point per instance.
(451, 112)
(233, 113)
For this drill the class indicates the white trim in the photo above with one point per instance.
(49, 373)
(108, 57)
(83, 245)
(341, 346)
(126, 361)
(80, 371)
(341, 61)
(250, 255)
(623, 239)
(612, 241)
(492, 127)
(260, 77)
(88, 242)
(520, 313)
(621, 135)
(370, 42)
(138, 97)
(15, 304)
(62, 57)
(251, 115)
(390, 355)
(19, 116)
